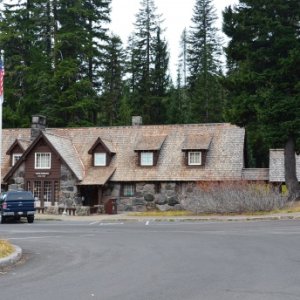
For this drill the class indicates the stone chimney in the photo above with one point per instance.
(38, 124)
(137, 121)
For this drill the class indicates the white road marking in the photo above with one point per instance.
(104, 224)
(94, 223)
(147, 223)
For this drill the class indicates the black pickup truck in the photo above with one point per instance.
(17, 204)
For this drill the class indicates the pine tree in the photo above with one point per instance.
(204, 64)
(148, 62)
(183, 57)
(112, 87)
(263, 82)
(78, 53)
(26, 61)
(54, 55)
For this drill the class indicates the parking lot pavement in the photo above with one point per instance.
(113, 259)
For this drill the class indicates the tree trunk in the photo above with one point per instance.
(291, 180)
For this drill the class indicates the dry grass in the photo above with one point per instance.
(171, 213)
(5, 248)
(293, 207)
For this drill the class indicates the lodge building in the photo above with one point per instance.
(141, 166)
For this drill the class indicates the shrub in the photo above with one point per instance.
(231, 197)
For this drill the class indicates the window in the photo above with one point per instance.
(146, 158)
(47, 191)
(37, 188)
(195, 158)
(42, 160)
(15, 158)
(128, 190)
(99, 159)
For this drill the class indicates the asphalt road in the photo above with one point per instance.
(154, 261)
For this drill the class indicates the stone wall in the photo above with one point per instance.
(68, 189)
(18, 179)
(148, 197)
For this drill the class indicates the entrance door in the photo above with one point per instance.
(92, 195)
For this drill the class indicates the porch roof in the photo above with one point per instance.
(97, 176)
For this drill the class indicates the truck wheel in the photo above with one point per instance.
(30, 219)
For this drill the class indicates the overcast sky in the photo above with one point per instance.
(176, 14)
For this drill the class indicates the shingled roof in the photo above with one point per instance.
(224, 160)
(150, 142)
(9, 136)
(66, 149)
(196, 142)
(276, 166)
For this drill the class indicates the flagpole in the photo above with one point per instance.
(1, 104)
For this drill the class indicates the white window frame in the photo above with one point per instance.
(193, 160)
(14, 156)
(102, 157)
(128, 190)
(147, 158)
(42, 160)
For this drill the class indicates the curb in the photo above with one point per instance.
(11, 259)
(124, 218)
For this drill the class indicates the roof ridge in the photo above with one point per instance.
(143, 126)
(60, 136)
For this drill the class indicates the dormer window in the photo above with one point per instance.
(148, 148)
(99, 159)
(16, 150)
(194, 158)
(146, 158)
(102, 152)
(42, 160)
(15, 158)
(195, 148)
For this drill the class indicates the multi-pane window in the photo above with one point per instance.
(42, 160)
(195, 158)
(128, 190)
(99, 159)
(37, 188)
(47, 191)
(16, 157)
(146, 158)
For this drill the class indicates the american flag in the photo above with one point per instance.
(1, 77)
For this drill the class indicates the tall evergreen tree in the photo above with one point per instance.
(183, 57)
(25, 58)
(79, 40)
(204, 64)
(263, 80)
(148, 62)
(112, 87)
(54, 55)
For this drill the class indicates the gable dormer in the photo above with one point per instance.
(148, 148)
(102, 153)
(16, 150)
(195, 148)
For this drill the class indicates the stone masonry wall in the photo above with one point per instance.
(148, 198)
(68, 188)
(18, 179)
